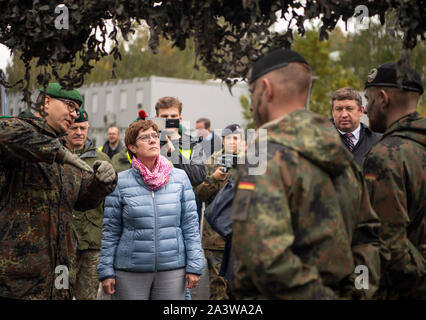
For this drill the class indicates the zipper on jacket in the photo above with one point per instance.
(155, 232)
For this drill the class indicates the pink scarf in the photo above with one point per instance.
(160, 174)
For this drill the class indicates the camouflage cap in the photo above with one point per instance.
(83, 116)
(274, 60)
(55, 90)
(387, 76)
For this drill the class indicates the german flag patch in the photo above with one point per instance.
(371, 176)
(246, 185)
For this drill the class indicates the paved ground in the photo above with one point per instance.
(201, 292)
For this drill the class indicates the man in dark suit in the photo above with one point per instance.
(211, 142)
(347, 110)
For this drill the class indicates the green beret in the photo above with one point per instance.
(55, 90)
(83, 116)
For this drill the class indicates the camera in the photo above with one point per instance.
(228, 161)
(163, 123)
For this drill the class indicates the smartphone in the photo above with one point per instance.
(163, 123)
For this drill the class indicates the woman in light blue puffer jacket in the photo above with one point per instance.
(150, 236)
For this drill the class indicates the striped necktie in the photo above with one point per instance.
(348, 139)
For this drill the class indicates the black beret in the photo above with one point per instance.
(231, 129)
(274, 60)
(387, 76)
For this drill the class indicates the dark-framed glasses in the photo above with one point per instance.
(71, 105)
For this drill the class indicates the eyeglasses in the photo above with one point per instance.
(147, 137)
(71, 105)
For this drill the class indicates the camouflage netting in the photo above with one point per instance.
(227, 34)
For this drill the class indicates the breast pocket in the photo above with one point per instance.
(40, 176)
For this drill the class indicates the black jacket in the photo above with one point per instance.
(194, 167)
(110, 152)
(367, 139)
(211, 146)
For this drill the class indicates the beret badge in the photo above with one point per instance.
(372, 75)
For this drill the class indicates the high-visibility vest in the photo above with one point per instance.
(186, 153)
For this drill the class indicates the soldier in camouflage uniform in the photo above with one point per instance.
(121, 161)
(213, 243)
(87, 224)
(395, 171)
(301, 228)
(43, 182)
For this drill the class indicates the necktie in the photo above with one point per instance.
(348, 139)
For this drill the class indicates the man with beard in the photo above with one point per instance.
(113, 145)
(300, 229)
(395, 171)
(43, 182)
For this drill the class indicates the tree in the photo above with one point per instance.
(247, 114)
(360, 52)
(136, 61)
(328, 75)
(227, 35)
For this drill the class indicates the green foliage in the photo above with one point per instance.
(139, 61)
(328, 75)
(360, 52)
(227, 35)
(247, 114)
(136, 61)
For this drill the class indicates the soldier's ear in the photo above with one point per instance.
(384, 99)
(268, 89)
(47, 101)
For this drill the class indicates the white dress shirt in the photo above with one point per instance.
(355, 133)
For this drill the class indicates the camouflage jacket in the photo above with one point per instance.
(120, 161)
(301, 228)
(88, 224)
(395, 171)
(206, 192)
(37, 196)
